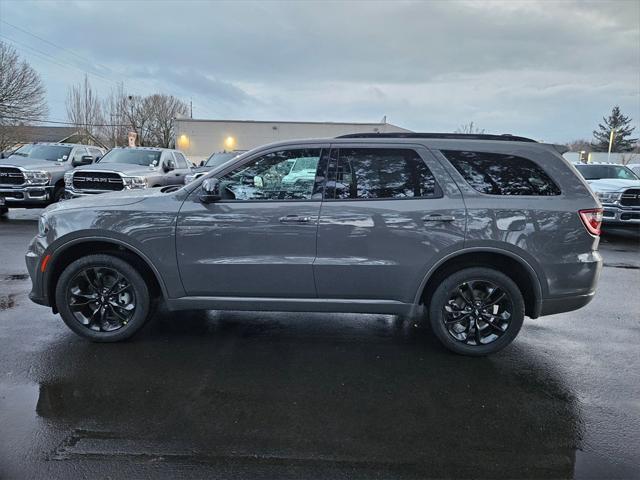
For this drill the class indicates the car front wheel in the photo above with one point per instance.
(103, 298)
(476, 311)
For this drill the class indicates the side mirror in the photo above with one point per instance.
(210, 190)
(84, 160)
(201, 164)
(169, 166)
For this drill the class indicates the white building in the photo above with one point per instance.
(200, 138)
(604, 157)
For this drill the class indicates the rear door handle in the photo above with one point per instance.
(295, 219)
(438, 218)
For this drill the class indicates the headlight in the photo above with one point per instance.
(36, 177)
(43, 226)
(68, 180)
(189, 178)
(609, 197)
(134, 182)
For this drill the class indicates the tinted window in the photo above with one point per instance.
(499, 174)
(274, 177)
(596, 172)
(381, 173)
(132, 156)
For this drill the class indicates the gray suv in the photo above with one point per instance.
(128, 168)
(33, 175)
(473, 232)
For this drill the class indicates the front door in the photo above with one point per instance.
(259, 240)
(390, 211)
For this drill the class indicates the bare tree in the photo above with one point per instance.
(113, 107)
(22, 95)
(165, 108)
(580, 146)
(469, 128)
(84, 108)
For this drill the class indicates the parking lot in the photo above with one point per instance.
(239, 394)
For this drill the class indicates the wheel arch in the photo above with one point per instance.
(512, 265)
(78, 248)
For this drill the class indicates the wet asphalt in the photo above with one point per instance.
(275, 395)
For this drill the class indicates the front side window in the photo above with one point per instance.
(132, 156)
(274, 176)
(181, 162)
(368, 173)
(500, 174)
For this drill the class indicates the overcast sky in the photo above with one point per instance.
(545, 69)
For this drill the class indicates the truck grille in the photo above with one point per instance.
(97, 181)
(631, 198)
(11, 176)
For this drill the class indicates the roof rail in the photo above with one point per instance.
(505, 137)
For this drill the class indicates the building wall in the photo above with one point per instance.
(200, 138)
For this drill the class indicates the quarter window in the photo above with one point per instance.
(499, 174)
(282, 175)
(368, 173)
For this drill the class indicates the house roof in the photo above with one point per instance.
(29, 133)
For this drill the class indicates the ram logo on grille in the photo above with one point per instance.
(97, 181)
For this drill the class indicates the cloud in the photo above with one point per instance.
(542, 68)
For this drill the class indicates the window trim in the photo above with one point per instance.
(438, 192)
(324, 150)
(494, 195)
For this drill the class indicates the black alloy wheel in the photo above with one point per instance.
(103, 297)
(476, 311)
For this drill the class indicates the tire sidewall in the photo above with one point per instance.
(133, 276)
(441, 296)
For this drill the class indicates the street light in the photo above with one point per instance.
(230, 143)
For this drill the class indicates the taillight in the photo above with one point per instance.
(592, 220)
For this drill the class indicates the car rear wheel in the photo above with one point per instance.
(476, 311)
(103, 298)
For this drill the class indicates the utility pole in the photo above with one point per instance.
(191, 106)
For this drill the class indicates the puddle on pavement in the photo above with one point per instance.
(7, 301)
(15, 277)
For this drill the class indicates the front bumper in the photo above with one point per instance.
(37, 194)
(619, 215)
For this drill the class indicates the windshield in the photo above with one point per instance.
(597, 172)
(52, 153)
(132, 157)
(219, 158)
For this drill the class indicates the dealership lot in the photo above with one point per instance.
(317, 395)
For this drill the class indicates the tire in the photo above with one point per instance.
(58, 194)
(3, 211)
(115, 320)
(457, 297)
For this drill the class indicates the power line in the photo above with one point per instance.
(74, 124)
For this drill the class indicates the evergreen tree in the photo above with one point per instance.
(621, 141)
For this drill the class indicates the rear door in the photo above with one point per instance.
(389, 213)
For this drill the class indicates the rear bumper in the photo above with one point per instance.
(551, 306)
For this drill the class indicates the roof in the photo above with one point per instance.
(284, 121)
(505, 137)
(30, 133)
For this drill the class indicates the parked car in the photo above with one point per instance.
(473, 232)
(128, 168)
(618, 188)
(33, 175)
(214, 161)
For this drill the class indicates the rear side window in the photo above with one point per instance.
(368, 173)
(499, 174)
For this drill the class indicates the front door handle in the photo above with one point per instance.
(295, 219)
(438, 218)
